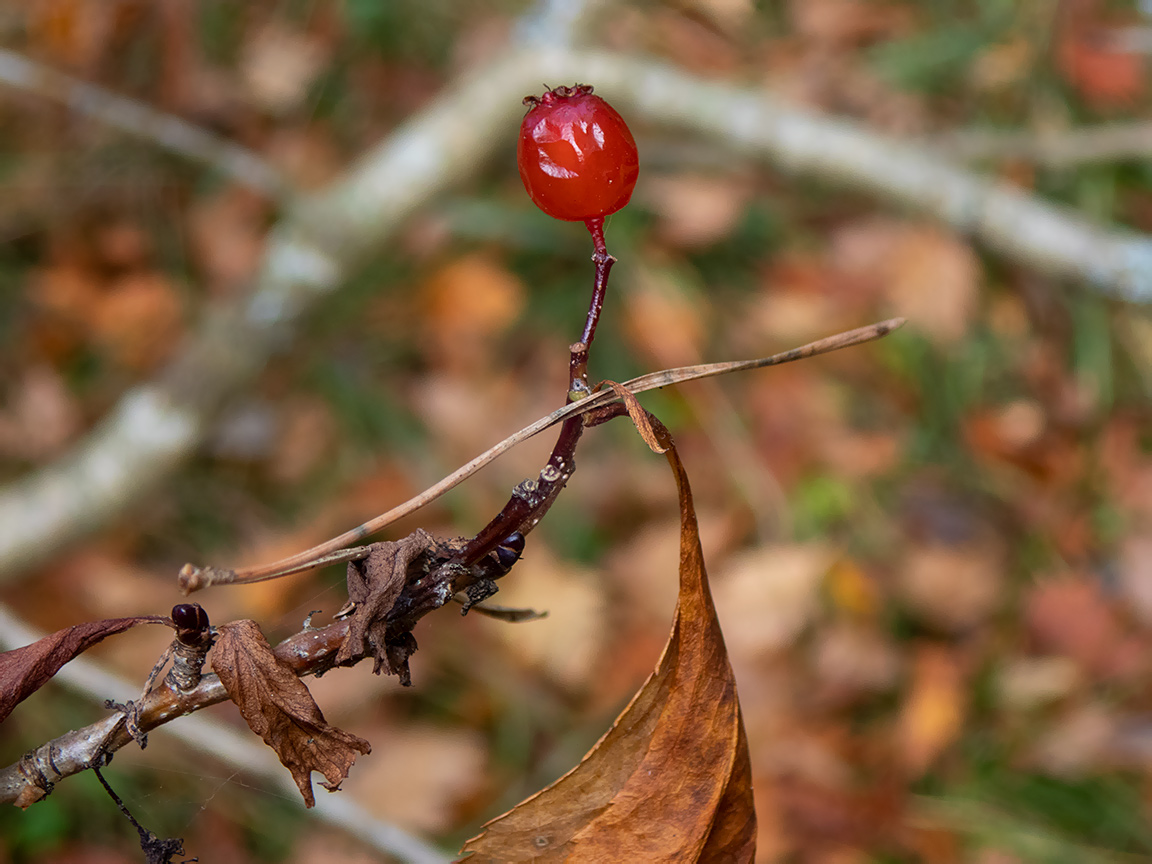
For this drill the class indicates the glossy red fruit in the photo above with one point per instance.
(576, 155)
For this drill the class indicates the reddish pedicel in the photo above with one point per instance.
(577, 158)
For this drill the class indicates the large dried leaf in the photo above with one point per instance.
(25, 670)
(278, 707)
(671, 781)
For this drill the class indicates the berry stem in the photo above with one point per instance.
(578, 385)
(532, 498)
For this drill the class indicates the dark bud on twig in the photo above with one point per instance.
(193, 639)
(509, 552)
(191, 623)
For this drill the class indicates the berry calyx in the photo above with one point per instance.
(576, 155)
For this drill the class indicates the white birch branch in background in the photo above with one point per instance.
(129, 115)
(1112, 142)
(324, 235)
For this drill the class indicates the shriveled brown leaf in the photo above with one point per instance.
(278, 707)
(25, 670)
(671, 781)
(373, 585)
(638, 415)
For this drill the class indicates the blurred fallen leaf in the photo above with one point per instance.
(465, 304)
(566, 644)
(1106, 75)
(934, 282)
(853, 661)
(933, 713)
(847, 22)
(664, 317)
(75, 33)
(671, 781)
(330, 847)
(770, 594)
(929, 275)
(1077, 743)
(1003, 65)
(854, 591)
(953, 587)
(1027, 682)
(697, 210)
(730, 15)
(122, 245)
(40, 418)
(63, 296)
(1136, 575)
(419, 774)
(227, 233)
(278, 65)
(308, 434)
(139, 320)
(1070, 616)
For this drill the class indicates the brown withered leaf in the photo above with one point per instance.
(671, 780)
(278, 707)
(25, 670)
(374, 584)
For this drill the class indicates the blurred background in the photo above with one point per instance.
(931, 556)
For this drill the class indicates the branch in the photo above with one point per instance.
(154, 427)
(315, 650)
(179, 136)
(233, 747)
(1009, 220)
(331, 551)
(1108, 143)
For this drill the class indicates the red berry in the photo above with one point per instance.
(577, 158)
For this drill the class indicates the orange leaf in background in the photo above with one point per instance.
(934, 709)
(1105, 77)
(671, 780)
(1090, 56)
(139, 320)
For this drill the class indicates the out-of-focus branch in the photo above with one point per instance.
(157, 425)
(1009, 220)
(233, 747)
(136, 118)
(1107, 143)
(325, 234)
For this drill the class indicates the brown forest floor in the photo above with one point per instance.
(931, 556)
